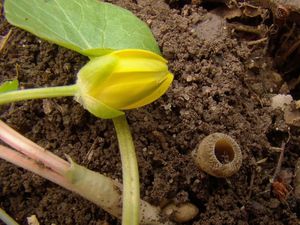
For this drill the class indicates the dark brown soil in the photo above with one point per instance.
(221, 85)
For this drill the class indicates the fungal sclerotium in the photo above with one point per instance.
(218, 155)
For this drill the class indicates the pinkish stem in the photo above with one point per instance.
(32, 150)
(22, 161)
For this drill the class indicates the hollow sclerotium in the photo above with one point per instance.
(218, 155)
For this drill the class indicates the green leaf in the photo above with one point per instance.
(9, 86)
(89, 27)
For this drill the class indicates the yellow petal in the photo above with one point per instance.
(154, 95)
(128, 65)
(120, 95)
(119, 78)
(135, 60)
(138, 53)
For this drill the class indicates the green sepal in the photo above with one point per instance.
(95, 72)
(98, 108)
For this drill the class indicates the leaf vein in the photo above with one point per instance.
(72, 24)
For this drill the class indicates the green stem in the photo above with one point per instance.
(6, 218)
(35, 93)
(131, 185)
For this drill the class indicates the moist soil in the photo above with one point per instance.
(224, 79)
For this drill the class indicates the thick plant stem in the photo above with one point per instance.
(6, 218)
(37, 93)
(131, 185)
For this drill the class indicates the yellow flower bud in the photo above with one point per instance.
(122, 80)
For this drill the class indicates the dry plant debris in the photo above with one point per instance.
(4, 40)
